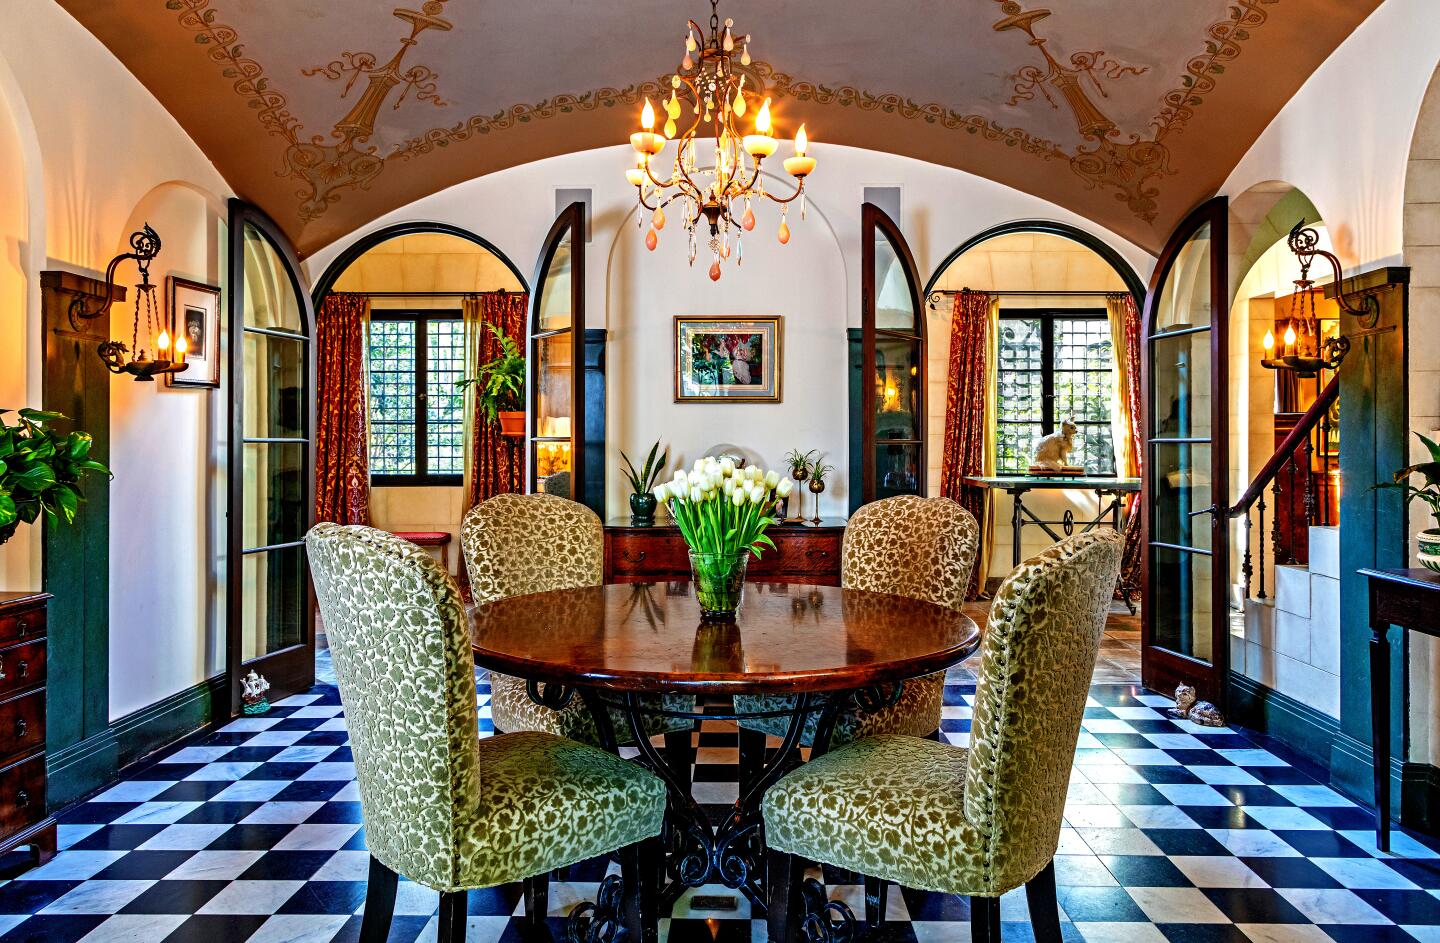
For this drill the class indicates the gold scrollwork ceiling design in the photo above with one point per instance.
(330, 114)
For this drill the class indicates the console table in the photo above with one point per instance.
(1409, 598)
(646, 553)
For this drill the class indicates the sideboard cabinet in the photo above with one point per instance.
(23, 816)
(645, 553)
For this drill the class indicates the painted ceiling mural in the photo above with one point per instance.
(328, 114)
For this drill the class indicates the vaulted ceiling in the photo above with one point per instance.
(328, 114)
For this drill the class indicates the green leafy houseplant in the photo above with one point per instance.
(642, 482)
(41, 470)
(500, 384)
(1429, 493)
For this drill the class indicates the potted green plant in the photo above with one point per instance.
(500, 384)
(800, 464)
(642, 483)
(41, 470)
(1429, 539)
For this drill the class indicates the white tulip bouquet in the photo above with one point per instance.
(722, 512)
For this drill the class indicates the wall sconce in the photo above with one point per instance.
(144, 246)
(1303, 351)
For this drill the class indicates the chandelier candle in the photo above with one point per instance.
(723, 513)
(711, 83)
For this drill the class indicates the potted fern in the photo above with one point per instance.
(642, 483)
(1429, 539)
(500, 385)
(41, 470)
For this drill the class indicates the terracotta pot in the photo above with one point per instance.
(1429, 555)
(512, 424)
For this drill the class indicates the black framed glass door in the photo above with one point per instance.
(555, 455)
(893, 371)
(1185, 620)
(271, 501)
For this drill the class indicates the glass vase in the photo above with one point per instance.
(719, 583)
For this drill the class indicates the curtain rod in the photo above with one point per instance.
(934, 296)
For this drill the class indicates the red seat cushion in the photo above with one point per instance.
(425, 538)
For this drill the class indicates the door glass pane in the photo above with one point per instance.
(1185, 298)
(897, 389)
(555, 313)
(553, 371)
(894, 304)
(1180, 481)
(270, 300)
(272, 601)
(275, 387)
(1182, 607)
(897, 469)
(1180, 367)
(274, 504)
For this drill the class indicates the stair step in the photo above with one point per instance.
(1292, 589)
(1325, 551)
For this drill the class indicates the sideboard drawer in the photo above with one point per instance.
(22, 794)
(650, 555)
(22, 666)
(19, 626)
(22, 724)
(813, 554)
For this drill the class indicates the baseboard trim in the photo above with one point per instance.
(1420, 797)
(1352, 771)
(1302, 728)
(81, 769)
(153, 728)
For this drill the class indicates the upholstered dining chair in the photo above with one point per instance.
(923, 548)
(516, 544)
(978, 821)
(441, 806)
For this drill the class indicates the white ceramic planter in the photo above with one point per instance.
(1429, 555)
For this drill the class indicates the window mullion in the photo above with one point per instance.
(422, 396)
(1047, 376)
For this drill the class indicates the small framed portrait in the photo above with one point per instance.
(195, 318)
(724, 358)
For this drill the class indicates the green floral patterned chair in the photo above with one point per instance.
(978, 821)
(516, 544)
(923, 548)
(441, 806)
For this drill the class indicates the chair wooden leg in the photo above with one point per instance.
(752, 758)
(785, 904)
(985, 920)
(680, 755)
(1044, 908)
(453, 911)
(537, 905)
(876, 892)
(640, 869)
(379, 903)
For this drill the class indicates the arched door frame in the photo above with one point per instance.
(326, 283)
(1090, 241)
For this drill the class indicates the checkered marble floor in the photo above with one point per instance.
(1173, 832)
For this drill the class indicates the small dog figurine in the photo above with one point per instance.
(1054, 450)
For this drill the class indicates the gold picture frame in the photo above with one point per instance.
(729, 359)
(194, 313)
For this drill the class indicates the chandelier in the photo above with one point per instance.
(711, 85)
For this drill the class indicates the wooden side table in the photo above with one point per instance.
(1410, 599)
(429, 538)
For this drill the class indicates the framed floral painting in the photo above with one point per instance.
(733, 359)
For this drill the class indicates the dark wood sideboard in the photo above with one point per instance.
(23, 816)
(644, 553)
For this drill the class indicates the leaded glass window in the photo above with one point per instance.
(1054, 366)
(417, 414)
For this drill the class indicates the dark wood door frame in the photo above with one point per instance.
(290, 669)
(873, 218)
(1162, 669)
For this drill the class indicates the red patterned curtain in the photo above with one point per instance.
(1127, 357)
(966, 430)
(342, 461)
(494, 464)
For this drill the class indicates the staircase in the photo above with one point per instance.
(1290, 642)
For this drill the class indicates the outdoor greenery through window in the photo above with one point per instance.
(417, 414)
(1054, 366)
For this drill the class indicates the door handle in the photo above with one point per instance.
(1212, 509)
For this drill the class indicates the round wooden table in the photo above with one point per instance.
(835, 649)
